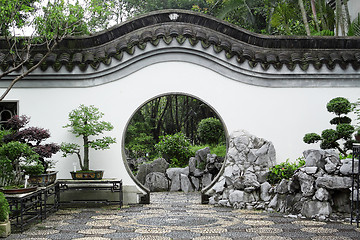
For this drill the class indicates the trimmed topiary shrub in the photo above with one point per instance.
(329, 137)
(175, 146)
(210, 131)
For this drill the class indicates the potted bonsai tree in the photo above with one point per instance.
(5, 227)
(34, 137)
(14, 156)
(85, 122)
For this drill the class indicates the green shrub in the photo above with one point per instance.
(219, 150)
(329, 137)
(33, 169)
(210, 131)
(4, 208)
(284, 170)
(175, 146)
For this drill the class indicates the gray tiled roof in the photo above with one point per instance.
(235, 42)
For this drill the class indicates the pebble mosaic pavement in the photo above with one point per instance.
(177, 215)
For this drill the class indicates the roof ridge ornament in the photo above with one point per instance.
(173, 16)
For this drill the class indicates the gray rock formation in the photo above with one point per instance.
(157, 182)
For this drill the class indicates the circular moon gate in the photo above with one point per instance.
(146, 197)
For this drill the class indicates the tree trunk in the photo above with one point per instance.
(86, 154)
(303, 13)
(313, 8)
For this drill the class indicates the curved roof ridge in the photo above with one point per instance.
(183, 25)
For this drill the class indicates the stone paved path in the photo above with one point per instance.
(181, 216)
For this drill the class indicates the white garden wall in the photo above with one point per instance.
(281, 115)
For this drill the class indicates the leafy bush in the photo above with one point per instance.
(33, 169)
(4, 208)
(219, 150)
(210, 131)
(329, 137)
(175, 146)
(284, 170)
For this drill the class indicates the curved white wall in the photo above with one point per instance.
(281, 115)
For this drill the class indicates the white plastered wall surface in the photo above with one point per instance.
(277, 104)
(280, 115)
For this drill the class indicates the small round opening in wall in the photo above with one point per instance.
(175, 142)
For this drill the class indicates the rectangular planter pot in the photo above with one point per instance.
(90, 175)
(5, 229)
(43, 180)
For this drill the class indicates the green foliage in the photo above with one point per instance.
(33, 169)
(329, 137)
(13, 157)
(354, 28)
(219, 150)
(4, 208)
(311, 138)
(161, 116)
(85, 122)
(339, 106)
(284, 170)
(210, 131)
(175, 146)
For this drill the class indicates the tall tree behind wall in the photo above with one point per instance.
(162, 116)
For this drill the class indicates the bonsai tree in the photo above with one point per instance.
(329, 137)
(14, 156)
(33, 137)
(85, 122)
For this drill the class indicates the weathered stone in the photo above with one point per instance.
(198, 173)
(174, 175)
(264, 191)
(330, 167)
(185, 184)
(306, 183)
(158, 165)
(157, 182)
(206, 180)
(282, 187)
(316, 208)
(310, 170)
(322, 194)
(333, 182)
(250, 180)
(314, 158)
(346, 167)
(196, 183)
(219, 186)
(201, 156)
(236, 196)
(192, 165)
(262, 175)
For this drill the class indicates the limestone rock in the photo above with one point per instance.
(316, 208)
(158, 165)
(346, 167)
(185, 184)
(206, 180)
(282, 187)
(157, 182)
(333, 182)
(196, 183)
(264, 191)
(306, 183)
(236, 196)
(322, 194)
